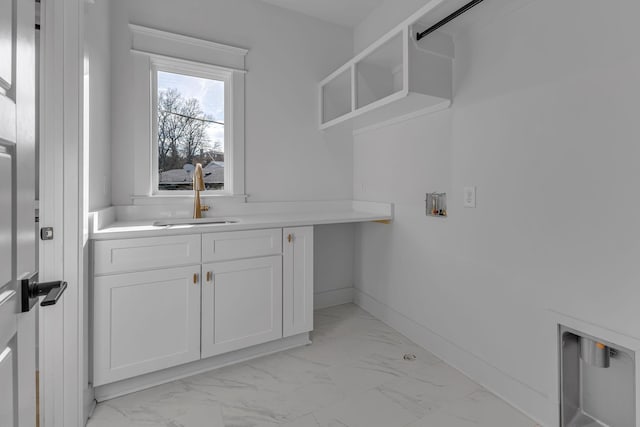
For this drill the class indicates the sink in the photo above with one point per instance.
(192, 221)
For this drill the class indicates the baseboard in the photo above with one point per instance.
(527, 400)
(131, 385)
(332, 298)
(89, 403)
(89, 410)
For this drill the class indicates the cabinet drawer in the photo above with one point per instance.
(113, 256)
(241, 244)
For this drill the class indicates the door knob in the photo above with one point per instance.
(31, 290)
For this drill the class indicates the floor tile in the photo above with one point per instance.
(479, 409)
(353, 375)
(370, 409)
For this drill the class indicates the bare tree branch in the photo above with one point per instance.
(182, 131)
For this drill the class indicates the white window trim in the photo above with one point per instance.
(156, 50)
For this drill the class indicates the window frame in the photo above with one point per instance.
(190, 69)
(152, 47)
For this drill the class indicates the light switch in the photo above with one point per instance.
(469, 197)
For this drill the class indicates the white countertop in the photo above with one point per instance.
(129, 222)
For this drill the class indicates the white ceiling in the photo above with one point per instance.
(348, 13)
(475, 14)
(483, 13)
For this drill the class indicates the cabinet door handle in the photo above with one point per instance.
(209, 274)
(290, 237)
(195, 278)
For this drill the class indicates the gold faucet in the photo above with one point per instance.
(198, 186)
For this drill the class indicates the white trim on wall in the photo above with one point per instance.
(61, 352)
(155, 49)
(141, 34)
(332, 298)
(195, 65)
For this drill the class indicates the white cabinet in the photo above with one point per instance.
(160, 302)
(241, 304)
(145, 322)
(395, 77)
(297, 281)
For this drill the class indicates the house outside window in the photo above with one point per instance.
(190, 112)
(190, 130)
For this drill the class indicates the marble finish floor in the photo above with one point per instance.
(353, 375)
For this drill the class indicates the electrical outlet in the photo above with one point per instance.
(469, 197)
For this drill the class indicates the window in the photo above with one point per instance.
(190, 107)
(190, 130)
(190, 94)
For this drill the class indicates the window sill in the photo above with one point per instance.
(175, 199)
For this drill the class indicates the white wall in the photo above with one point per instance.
(383, 19)
(287, 158)
(333, 264)
(545, 124)
(98, 121)
(289, 53)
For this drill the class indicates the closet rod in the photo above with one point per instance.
(449, 18)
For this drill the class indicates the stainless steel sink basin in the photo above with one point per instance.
(191, 221)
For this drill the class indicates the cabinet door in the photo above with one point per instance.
(297, 281)
(145, 322)
(241, 304)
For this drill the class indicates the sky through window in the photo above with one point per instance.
(209, 93)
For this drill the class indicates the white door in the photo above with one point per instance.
(17, 229)
(297, 282)
(241, 304)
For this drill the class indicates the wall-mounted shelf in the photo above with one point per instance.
(394, 77)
